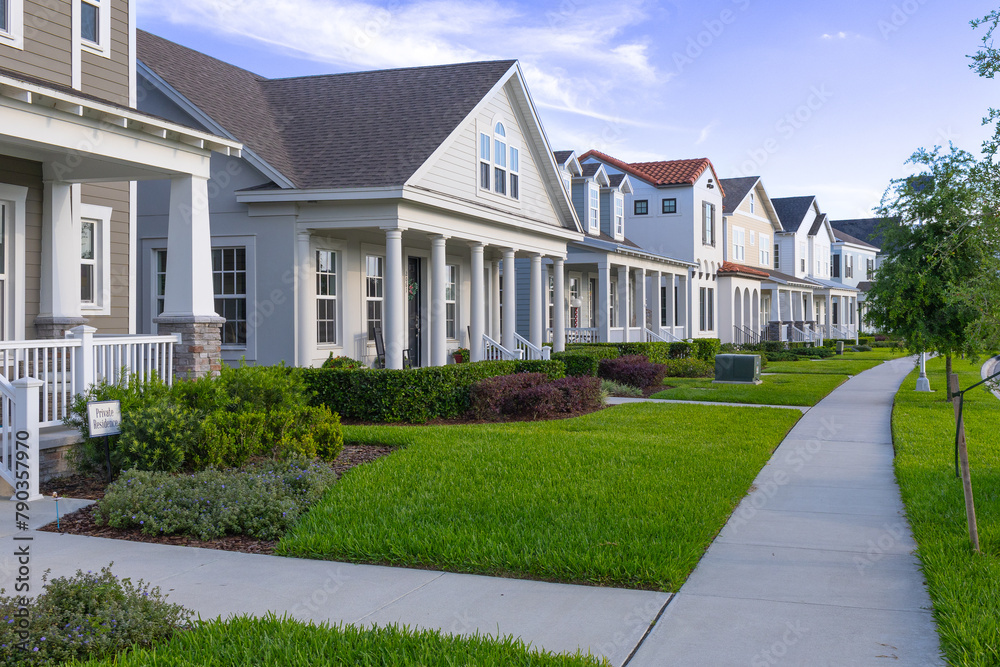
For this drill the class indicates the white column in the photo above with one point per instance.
(623, 304)
(688, 292)
(923, 384)
(495, 300)
(640, 301)
(60, 270)
(655, 300)
(305, 300)
(189, 291)
(26, 395)
(394, 317)
(671, 323)
(604, 322)
(509, 299)
(829, 315)
(536, 302)
(439, 331)
(477, 304)
(559, 307)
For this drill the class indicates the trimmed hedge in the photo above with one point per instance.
(656, 352)
(412, 395)
(595, 350)
(689, 368)
(821, 352)
(578, 364)
(706, 348)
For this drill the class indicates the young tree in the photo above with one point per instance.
(941, 256)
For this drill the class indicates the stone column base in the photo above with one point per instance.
(200, 351)
(47, 327)
(774, 331)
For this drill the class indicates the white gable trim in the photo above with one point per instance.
(192, 109)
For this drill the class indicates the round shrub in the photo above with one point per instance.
(577, 363)
(633, 370)
(342, 362)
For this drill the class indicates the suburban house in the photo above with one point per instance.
(855, 259)
(675, 211)
(72, 144)
(614, 290)
(750, 226)
(375, 215)
(810, 302)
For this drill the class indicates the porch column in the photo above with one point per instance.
(829, 315)
(495, 300)
(189, 299)
(305, 295)
(623, 304)
(656, 302)
(439, 331)
(669, 286)
(509, 299)
(536, 303)
(59, 307)
(477, 304)
(394, 319)
(604, 322)
(640, 302)
(559, 307)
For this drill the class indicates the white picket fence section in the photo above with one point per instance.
(494, 351)
(529, 351)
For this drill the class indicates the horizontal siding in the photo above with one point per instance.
(108, 77)
(115, 196)
(47, 43)
(14, 171)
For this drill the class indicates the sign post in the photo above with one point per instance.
(105, 418)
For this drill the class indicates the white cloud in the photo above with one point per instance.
(576, 57)
(840, 35)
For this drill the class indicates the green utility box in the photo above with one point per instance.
(737, 368)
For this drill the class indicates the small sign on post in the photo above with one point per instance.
(105, 418)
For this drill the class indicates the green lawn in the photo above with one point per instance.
(273, 641)
(831, 365)
(964, 587)
(783, 389)
(629, 496)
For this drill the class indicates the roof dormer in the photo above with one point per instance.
(613, 206)
(587, 196)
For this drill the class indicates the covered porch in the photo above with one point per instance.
(788, 309)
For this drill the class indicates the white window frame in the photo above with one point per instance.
(593, 208)
(739, 244)
(708, 223)
(102, 47)
(335, 281)
(498, 150)
(613, 303)
(100, 216)
(802, 259)
(13, 35)
(706, 321)
(777, 249)
(157, 297)
(236, 295)
(619, 215)
(485, 152)
(765, 250)
(452, 281)
(500, 170)
(752, 203)
(753, 237)
(366, 299)
(514, 173)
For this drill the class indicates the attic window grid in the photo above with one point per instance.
(669, 206)
(619, 215)
(593, 220)
(499, 159)
(499, 164)
(641, 207)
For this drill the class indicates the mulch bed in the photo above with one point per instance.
(87, 487)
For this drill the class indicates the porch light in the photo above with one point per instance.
(576, 303)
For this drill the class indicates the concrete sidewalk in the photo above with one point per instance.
(556, 617)
(815, 567)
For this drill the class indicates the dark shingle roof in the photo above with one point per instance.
(591, 168)
(736, 190)
(817, 224)
(616, 179)
(792, 210)
(863, 229)
(847, 238)
(561, 156)
(363, 129)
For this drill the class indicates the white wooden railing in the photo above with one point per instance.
(19, 449)
(54, 362)
(529, 351)
(494, 351)
(576, 335)
(664, 336)
(142, 356)
(839, 332)
(797, 335)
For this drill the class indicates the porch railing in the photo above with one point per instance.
(494, 351)
(663, 336)
(743, 335)
(530, 351)
(19, 451)
(797, 335)
(141, 356)
(840, 332)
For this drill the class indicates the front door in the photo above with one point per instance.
(413, 294)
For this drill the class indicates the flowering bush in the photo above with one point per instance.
(261, 500)
(634, 370)
(89, 615)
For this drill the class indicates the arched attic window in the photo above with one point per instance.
(499, 163)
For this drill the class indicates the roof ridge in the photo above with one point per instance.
(394, 69)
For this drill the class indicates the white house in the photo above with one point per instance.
(675, 211)
(854, 259)
(387, 201)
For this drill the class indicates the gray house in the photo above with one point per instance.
(374, 201)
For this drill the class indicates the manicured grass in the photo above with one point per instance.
(630, 496)
(964, 587)
(273, 641)
(877, 353)
(831, 365)
(783, 389)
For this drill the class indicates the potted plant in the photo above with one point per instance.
(461, 355)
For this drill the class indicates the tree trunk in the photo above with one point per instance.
(947, 371)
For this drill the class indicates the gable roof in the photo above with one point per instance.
(864, 230)
(736, 190)
(792, 210)
(817, 224)
(562, 156)
(361, 129)
(847, 238)
(742, 269)
(664, 172)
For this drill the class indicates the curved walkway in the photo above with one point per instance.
(816, 566)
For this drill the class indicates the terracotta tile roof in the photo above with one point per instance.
(664, 172)
(733, 267)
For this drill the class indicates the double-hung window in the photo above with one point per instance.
(5, 16)
(374, 293)
(739, 244)
(777, 266)
(514, 168)
(871, 268)
(160, 279)
(88, 263)
(708, 223)
(95, 26)
(848, 266)
(593, 216)
(499, 163)
(613, 304)
(499, 159)
(95, 250)
(229, 274)
(802, 256)
(752, 207)
(451, 301)
(485, 164)
(326, 297)
(835, 263)
(619, 215)
(765, 250)
(707, 312)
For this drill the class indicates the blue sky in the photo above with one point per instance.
(818, 98)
